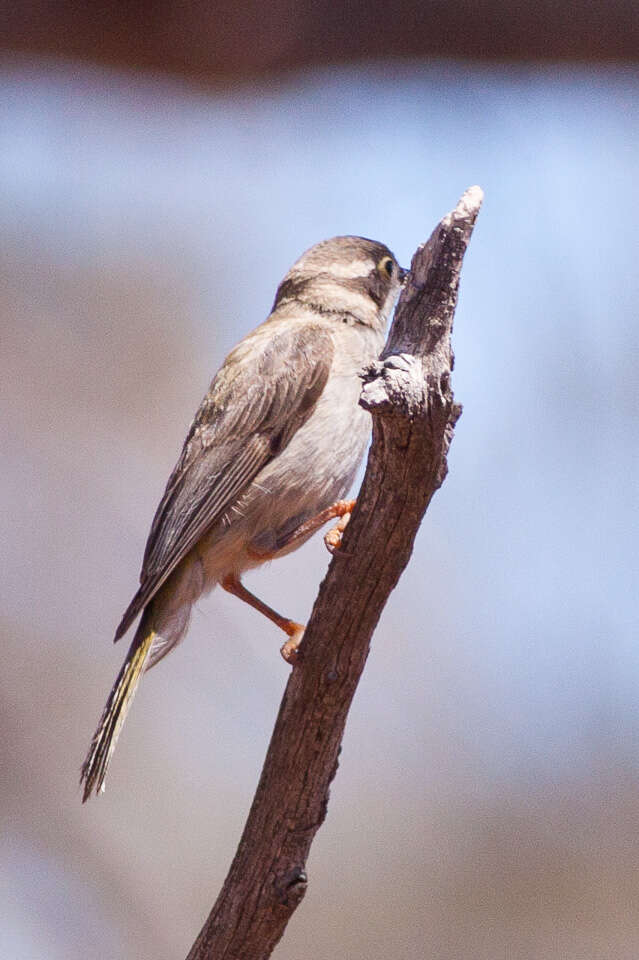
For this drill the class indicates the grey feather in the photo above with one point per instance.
(254, 406)
(276, 441)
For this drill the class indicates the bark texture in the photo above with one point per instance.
(409, 395)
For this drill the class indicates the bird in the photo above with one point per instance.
(269, 457)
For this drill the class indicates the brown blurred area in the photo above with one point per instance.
(232, 41)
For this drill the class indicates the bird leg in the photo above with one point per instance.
(232, 584)
(332, 539)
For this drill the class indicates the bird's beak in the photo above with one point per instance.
(402, 274)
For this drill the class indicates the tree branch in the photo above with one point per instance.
(409, 395)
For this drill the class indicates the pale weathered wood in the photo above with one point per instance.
(409, 395)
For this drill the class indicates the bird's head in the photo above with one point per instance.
(346, 277)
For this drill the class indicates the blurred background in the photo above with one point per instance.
(160, 169)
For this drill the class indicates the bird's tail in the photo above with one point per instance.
(114, 714)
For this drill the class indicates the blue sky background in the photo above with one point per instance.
(487, 800)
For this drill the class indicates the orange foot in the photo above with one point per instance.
(289, 649)
(333, 539)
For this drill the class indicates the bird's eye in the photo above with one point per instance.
(386, 264)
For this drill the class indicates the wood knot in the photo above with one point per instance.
(291, 888)
(394, 387)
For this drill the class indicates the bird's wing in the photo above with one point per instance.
(265, 391)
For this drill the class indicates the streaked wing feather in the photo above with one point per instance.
(203, 499)
(253, 408)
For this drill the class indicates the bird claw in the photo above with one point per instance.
(333, 539)
(289, 650)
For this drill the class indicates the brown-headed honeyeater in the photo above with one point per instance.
(274, 446)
